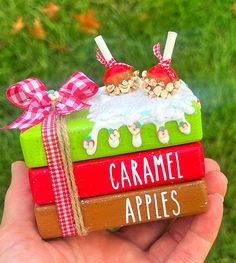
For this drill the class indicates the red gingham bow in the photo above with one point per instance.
(111, 63)
(164, 63)
(32, 95)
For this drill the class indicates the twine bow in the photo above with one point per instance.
(32, 95)
(164, 63)
(111, 63)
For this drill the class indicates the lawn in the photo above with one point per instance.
(204, 56)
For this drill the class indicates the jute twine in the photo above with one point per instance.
(67, 162)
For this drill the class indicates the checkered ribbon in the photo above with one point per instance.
(58, 176)
(39, 106)
(164, 63)
(32, 95)
(111, 63)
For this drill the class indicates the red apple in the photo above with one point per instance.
(161, 74)
(116, 74)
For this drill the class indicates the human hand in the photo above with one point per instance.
(187, 239)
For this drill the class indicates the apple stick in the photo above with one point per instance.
(103, 48)
(169, 47)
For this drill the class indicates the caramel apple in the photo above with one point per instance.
(161, 80)
(119, 77)
(160, 73)
(116, 74)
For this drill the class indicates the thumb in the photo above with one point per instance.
(18, 206)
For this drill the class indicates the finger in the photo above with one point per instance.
(211, 165)
(201, 235)
(170, 239)
(216, 183)
(179, 233)
(102, 246)
(18, 207)
(143, 235)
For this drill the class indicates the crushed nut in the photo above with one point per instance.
(136, 73)
(124, 82)
(153, 88)
(177, 84)
(124, 89)
(169, 86)
(145, 85)
(164, 94)
(144, 74)
(126, 86)
(157, 90)
(153, 83)
(151, 94)
(130, 82)
(110, 88)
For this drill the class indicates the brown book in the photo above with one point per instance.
(133, 207)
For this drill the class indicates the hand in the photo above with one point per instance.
(187, 239)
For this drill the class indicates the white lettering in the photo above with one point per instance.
(148, 202)
(164, 200)
(169, 162)
(147, 171)
(112, 165)
(178, 166)
(156, 207)
(139, 203)
(129, 211)
(176, 213)
(124, 175)
(135, 174)
(159, 161)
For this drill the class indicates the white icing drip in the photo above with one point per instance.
(163, 136)
(136, 140)
(114, 143)
(115, 111)
(114, 138)
(184, 127)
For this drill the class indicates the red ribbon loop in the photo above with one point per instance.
(32, 95)
(111, 63)
(157, 53)
(164, 63)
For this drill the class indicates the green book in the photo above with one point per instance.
(115, 125)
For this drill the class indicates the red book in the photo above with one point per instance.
(126, 172)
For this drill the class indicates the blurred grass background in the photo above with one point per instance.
(204, 56)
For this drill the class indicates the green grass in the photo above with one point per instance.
(205, 57)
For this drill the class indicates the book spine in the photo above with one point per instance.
(133, 207)
(126, 172)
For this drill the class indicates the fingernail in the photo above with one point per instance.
(220, 196)
(13, 165)
(226, 180)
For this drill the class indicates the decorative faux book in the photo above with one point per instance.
(122, 154)
(155, 203)
(125, 172)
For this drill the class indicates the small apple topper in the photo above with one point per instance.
(119, 77)
(161, 80)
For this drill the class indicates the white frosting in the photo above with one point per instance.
(112, 112)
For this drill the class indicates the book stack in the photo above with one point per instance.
(136, 154)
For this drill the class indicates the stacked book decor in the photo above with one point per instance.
(125, 153)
